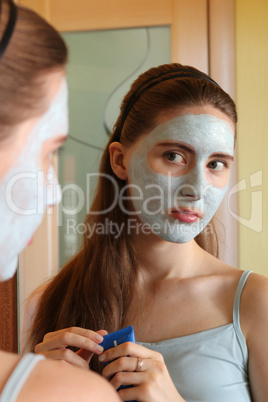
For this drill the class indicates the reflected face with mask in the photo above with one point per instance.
(28, 183)
(178, 173)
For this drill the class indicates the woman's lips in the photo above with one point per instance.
(185, 215)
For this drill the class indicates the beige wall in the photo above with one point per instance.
(252, 101)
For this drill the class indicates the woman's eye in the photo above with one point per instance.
(174, 157)
(216, 165)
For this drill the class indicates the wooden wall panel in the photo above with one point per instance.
(222, 43)
(189, 33)
(42, 7)
(76, 15)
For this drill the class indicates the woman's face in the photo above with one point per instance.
(178, 173)
(28, 183)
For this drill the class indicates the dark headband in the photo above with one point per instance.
(145, 86)
(9, 28)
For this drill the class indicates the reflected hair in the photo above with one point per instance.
(31, 47)
(9, 28)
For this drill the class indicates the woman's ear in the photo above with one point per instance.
(117, 160)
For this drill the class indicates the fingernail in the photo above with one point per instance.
(102, 358)
(99, 348)
(98, 338)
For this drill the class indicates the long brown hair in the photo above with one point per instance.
(94, 290)
(35, 48)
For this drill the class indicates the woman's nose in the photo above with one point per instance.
(195, 184)
(189, 191)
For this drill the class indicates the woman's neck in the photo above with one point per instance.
(160, 259)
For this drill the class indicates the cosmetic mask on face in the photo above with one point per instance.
(25, 192)
(153, 194)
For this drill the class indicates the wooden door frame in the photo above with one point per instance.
(188, 20)
(8, 315)
(202, 35)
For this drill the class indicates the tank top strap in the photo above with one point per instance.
(19, 377)
(236, 314)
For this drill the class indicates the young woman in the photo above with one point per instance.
(152, 258)
(33, 124)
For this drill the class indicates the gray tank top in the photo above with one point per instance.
(210, 366)
(19, 377)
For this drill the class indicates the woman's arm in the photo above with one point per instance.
(254, 323)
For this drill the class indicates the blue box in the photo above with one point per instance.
(117, 338)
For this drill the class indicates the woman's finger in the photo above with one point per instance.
(68, 356)
(102, 332)
(129, 349)
(127, 378)
(86, 354)
(87, 333)
(64, 339)
(128, 394)
(126, 364)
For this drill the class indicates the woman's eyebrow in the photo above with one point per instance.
(222, 155)
(188, 148)
(180, 145)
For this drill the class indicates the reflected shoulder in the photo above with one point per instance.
(57, 380)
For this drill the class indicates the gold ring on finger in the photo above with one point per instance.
(139, 364)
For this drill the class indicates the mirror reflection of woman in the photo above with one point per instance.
(194, 317)
(33, 125)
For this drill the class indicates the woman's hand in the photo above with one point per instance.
(54, 345)
(132, 364)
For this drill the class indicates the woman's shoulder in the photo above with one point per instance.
(8, 362)
(254, 325)
(227, 274)
(254, 311)
(254, 294)
(254, 302)
(257, 282)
